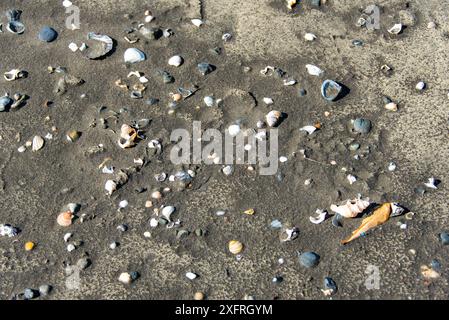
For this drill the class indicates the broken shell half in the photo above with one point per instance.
(351, 208)
(175, 61)
(197, 22)
(288, 233)
(65, 219)
(14, 74)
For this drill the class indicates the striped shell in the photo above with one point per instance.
(351, 208)
(65, 219)
(235, 247)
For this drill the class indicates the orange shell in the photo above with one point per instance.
(65, 219)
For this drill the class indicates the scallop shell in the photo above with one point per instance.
(38, 143)
(235, 247)
(273, 118)
(351, 208)
(65, 219)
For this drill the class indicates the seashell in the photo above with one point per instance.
(167, 212)
(276, 224)
(123, 204)
(228, 170)
(38, 143)
(268, 101)
(397, 210)
(125, 278)
(330, 287)
(47, 34)
(309, 36)
(320, 216)
(273, 118)
(309, 129)
(379, 217)
(288, 233)
(314, 70)
(16, 27)
(362, 125)
(249, 212)
(191, 275)
(396, 29)
(330, 90)
(391, 166)
(67, 236)
(150, 33)
(309, 259)
(175, 61)
(8, 230)
(429, 273)
(67, 3)
(420, 86)
(73, 135)
(205, 68)
(391, 106)
(289, 82)
(291, 4)
(5, 103)
(351, 208)
(29, 246)
(13, 74)
(351, 178)
(198, 296)
(197, 22)
(110, 186)
(431, 183)
(226, 37)
(101, 48)
(65, 219)
(235, 247)
(209, 101)
(133, 55)
(234, 130)
(444, 238)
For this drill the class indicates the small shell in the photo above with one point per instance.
(198, 296)
(65, 219)
(38, 143)
(391, 106)
(133, 55)
(197, 22)
(13, 75)
(396, 29)
(73, 135)
(167, 212)
(273, 118)
(249, 212)
(351, 208)
(351, 178)
(234, 130)
(429, 273)
(209, 101)
(330, 90)
(291, 4)
(320, 216)
(309, 129)
(175, 61)
(431, 183)
(309, 36)
(125, 278)
(268, 101)
(235, 247)
(314, 70)
(29, 246)
(288, 233)
(191, 275)
(110, 186)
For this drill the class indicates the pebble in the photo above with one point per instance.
(133, 55)
(205, 68)
(198, 296)
(444, 238)
(175, 61)
(309, 259)
(47, 34)
(420, 86)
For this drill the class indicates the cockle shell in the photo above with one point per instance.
(235, 247)
(65, 219)
(273, 118)
(128, 136)
(351, 208)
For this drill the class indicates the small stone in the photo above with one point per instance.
(45, 289)
(125, 278)
(444, 238)
(354, 146)
(47, 34)
(309, 259)
(29, 246)
(205, 68)
(191, 275)
(29, 294)
(198, 296)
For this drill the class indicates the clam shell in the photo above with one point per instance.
(235, 247)
(197, 22)
(175, 61)
(167, 212)
(133, 55)
(309, 36)
(309, 259)
(101, 49)
(320, 216)
(234, 130)
(65, 219)
(330, 90)
(273, 118)
(314, 70)
(38, 143)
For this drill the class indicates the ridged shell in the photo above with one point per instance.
(38, 143)
(351, 208)
(235, 247)
(65, 219)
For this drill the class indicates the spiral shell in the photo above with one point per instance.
(65, 219)
(235, 247)
(351, 208)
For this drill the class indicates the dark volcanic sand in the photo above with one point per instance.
(264, 33)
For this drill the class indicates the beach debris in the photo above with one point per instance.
(234, 129)
(320, 216)
(289, 82)
(7, 230)
(14, 25)
(235, 246)
(73, 135)
(65, 219)
(209, 101)
(444, 238)
(330, 287)
(330, 90)
(249, 212)
(128, 277)
(226, 37)
(351, 208)
(175, 61)
(205, 68)
(150, 33)
(103, 45)
(396, 29)
(47, 34)
(309, 36)
(37, 144)
(268, 101)
(197, 22)
(362, 125)
(288, 233)
(314, 70)
(273, 118)
(133, 55)
(431, 183)
(14, 74)
(309, 259)
(44, 289)
(379, 217)
(128, 135)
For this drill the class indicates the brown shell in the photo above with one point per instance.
(65, 219)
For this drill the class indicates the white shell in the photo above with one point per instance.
(125, 278)
(320, 217)
(309, 36)
(197, 22)
(133, 55)
(70, 247)
(309, 129)
(431, 183)
(234, 130)
(314, 70)
(391, 106)
(73, 47)
(420, 86)
(391, 166)
(228, 170)
(67, 3)
(167, 212)
(273, 118)
(351, 178)
(67, 236)
(351, 208)
(191, 275)
(110, 186)
(38, 143)
(209, 101)
(268, 101)
(154, 222)
(123, 204)
(289, 82)
(175, 61)
(396, 29)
